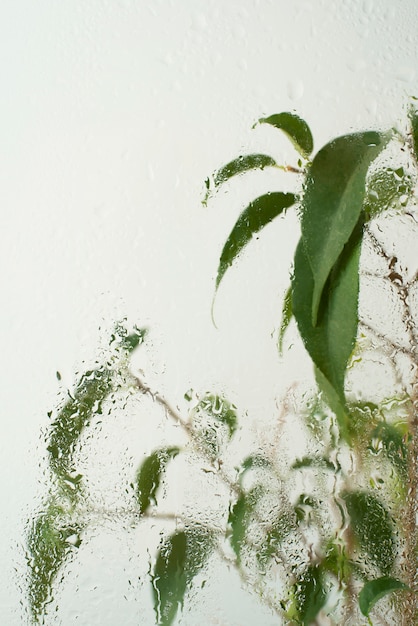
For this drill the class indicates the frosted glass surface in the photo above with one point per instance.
(113, 114)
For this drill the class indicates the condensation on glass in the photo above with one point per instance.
(165, 462)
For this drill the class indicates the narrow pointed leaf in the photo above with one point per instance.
(93, 388)
(181, 557)
(149, 475)
(372, 528)
(374, 590)
(295, 128)
(335, 401)
(331, 341)
(287, 314)
(257, 215)
(239, 166)
(333, 200)
(240, 516)
(413, 117)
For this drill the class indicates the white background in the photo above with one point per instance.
(112, 114)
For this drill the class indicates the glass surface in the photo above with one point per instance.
(113, 114)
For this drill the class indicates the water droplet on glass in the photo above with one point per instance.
(295, 89)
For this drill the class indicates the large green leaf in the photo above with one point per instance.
(295, 128)
(331, 341)
(374, 590)
(149, 475)
(372, 528)
(239, 166)
(181, 557)
(333, 200)
(257, 215)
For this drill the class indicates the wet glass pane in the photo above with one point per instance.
(185, 439)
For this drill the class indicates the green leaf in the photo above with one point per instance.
(220, 409)
(287, 314)
(240, 516)
(336, 561)
(255, 461)
(394, 446)
(128, 341)
(336, 403)
(90, 393)
(372, 528)
(295, 128)
(315, 461)
(311, 594)
(374, 590)
(178, 561)
(257, 215)
(149, 475)
(331, 341)
(50, 540)
(413, 117)
(239, 166)
(387, 188)
(333, 200)
(282, 527)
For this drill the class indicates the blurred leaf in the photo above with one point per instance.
(240, 516)
(385, 188)
(394, 446)
(239, 166)
(311, 594)
(303, 507)
(128, 341)
(337, 562)
(50, 540)
(74, 416)
(255, 461)
(287, 314)
(372, 528)
(331, 341)
(313, 461)
(284, 525)
(149, 475)
(333, 201)
(181, 557)
(362, 419)
(220, 409)
(257, 215)
(295, 128)
(413, 117)
(374, 590)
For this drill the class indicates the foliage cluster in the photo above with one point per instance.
(345, 549)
